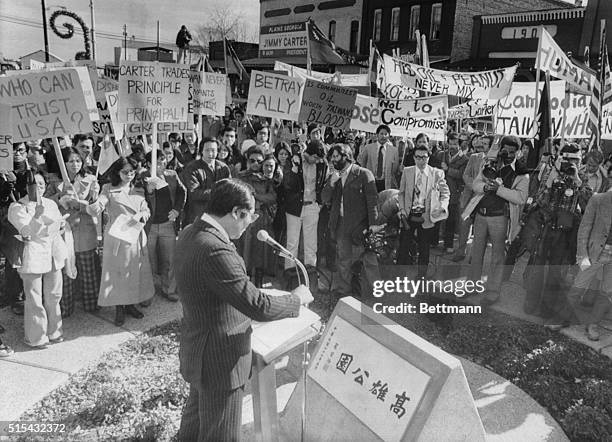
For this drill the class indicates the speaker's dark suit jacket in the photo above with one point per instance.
(219, 302)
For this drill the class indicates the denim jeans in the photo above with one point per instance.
(161, 242)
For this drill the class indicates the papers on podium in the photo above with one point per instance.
(271, 340)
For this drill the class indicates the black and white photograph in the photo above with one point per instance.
(306, 220)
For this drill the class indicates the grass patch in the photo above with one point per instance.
(136, 392)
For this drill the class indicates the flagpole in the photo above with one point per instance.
(602, 86)
(371, 66)
(549, 122)
(537, 82)
(225, 55)
(563, 119)
(308, 59)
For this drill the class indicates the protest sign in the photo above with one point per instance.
(402, 116)
(399, 92)
(283, 40)
(606, 122)
(327, 104)
(552, 59)
(112, 103)
(6, 139)
(102, 86)
(488, 84)
(88, 76)
(135, 129)
(515, 112)
(275, 96)
(473, 109)
(153, 92)
(209, 93)
(346, 80)
(45, 104)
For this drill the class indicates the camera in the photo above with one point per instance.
(567, 168)
(489, 171)
(416, 214)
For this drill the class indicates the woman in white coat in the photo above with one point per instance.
(40, 223)
(126, 272)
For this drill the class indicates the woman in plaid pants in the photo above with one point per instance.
(73, 200)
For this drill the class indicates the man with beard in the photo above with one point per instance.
(472, 169)
(351, 191)
(497, 204)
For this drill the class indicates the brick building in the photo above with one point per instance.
(447, 24)
(500, 40)
(339, 20)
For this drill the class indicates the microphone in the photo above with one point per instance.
(264, 236)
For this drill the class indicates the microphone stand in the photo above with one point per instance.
(305, 357)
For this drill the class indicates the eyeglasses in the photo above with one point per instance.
(252, 216)
(421, 157)
(20, 150)
(128, 172)
(255, 161)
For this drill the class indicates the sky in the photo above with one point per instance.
(140, 16)
(21, 23)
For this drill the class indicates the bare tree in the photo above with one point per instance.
(226, 22)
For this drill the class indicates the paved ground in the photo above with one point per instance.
(29, 375)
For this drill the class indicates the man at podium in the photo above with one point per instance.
(219, 302)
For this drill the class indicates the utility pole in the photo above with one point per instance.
(93, 32)
(46, 37)
(125, 42)
(157, 47)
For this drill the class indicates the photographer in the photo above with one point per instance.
(500, 190)
(419, 209)
(550, 231)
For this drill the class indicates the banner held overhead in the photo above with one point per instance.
(488, 84)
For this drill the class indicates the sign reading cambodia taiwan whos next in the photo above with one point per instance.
(283, 40)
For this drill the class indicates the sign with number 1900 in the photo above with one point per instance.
(523, 32)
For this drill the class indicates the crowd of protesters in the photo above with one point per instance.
(325, 194)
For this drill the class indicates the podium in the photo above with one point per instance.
(270, 341)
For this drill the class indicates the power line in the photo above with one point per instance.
(107, 35)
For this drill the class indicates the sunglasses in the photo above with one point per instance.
(252, 161)
(128, 172)
(421, 157)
